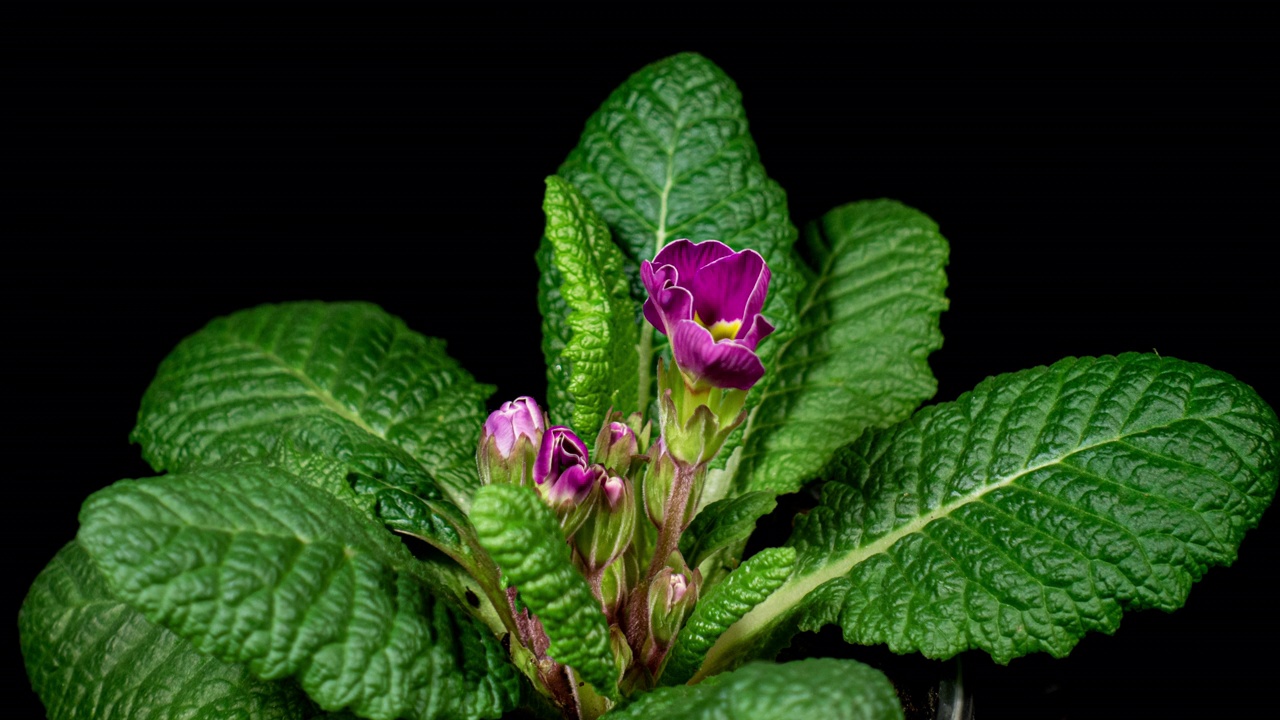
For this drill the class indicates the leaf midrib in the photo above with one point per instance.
(794, 590)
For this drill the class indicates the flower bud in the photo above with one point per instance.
(509, 442)
(616, 445)
(672, 595)
(657, 486)
(609, 524)
(575, 494)
(563, 477)
(616, 582)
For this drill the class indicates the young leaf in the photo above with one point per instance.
(225, 392)
(817, 688)
(253, 565)
(668, 156)
(92, 657)
(1032, 510)
(868, 320)
(524, 538)
(596, 367)
(723, 605)
(717, 535)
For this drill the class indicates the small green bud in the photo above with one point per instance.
(658, 481)
(672, 595)
(616, 582)
(616, 447)
(609, 524)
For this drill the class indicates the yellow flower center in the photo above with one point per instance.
(721, 329)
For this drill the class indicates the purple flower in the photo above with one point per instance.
(561, 471)
(515, 419)
(707, 299)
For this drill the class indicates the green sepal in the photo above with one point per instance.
(524, 538)
(92, 657)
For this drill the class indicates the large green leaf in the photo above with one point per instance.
(1032, 510)
(595, 369)
(226, 391)
(816, 688)
(254, 565)
(714, 541)
(524, 538)
(668, 156)
(722, 606)
(867, 322)
(92, 657)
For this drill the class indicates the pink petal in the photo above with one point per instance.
(725, 364)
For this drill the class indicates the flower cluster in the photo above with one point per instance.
(707, 299)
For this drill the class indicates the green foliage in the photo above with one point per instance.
(723, 605)
(867, 322)
(524, 538)
(90, 656)
(713, 542)
(347, 371)
(1032, 510)
(594, 367)
(668, 156)
(252, 565)
(826, 688)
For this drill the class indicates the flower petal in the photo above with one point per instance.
(667, 302)
(759, 330)
(725, 364)
(730, 288)
(689, 258)
(560, 449)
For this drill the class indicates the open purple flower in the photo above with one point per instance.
(707, 298)
(561, 471)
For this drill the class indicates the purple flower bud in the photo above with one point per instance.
(560, 450)
(707, 299)
(515, 419)
(616, 446)
(509, 441)
(609, 526)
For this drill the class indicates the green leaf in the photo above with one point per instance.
(868, 321)
(724, 605)
(713, 542)
(225, 392)
(667, 156)
(253, 565)
(91, 657)
(598, 359)
(555, 334)
(325, 472)
(817, 688)
(1032, 510)
(524, 538)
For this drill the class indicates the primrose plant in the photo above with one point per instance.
(587, 558)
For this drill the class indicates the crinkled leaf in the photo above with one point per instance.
(817, 688)
(722, 606)
(555, 334)
(713, 542)
(92, 657)
(524, 538)
(1032, 510)
(667, 156)
(326, 472)
(226, 391)
(867, 323)
(253, 565)
(598, 359)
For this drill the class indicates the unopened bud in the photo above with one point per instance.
(672, 595)
(509, 443)
(616, 446)
(609, 525)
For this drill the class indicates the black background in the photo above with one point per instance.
(1106, 185)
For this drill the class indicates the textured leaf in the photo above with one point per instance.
(253, 565)
(226, 391)
(597, 366)
(868, 320)
(668, 156)
(816, 688)
(713, 542)
(555, 334)
(324, 471)
(722, 606)
(92, 657)
(524, 538)
(1032, 510)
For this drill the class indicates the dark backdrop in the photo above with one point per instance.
(1105, 185)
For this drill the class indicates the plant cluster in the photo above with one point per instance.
(586, 558)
